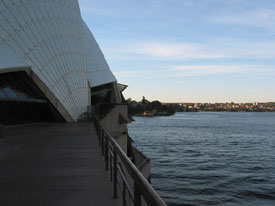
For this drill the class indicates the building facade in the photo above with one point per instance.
(50, 63)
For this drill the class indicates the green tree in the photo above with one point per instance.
(156, 105)
(143, 101)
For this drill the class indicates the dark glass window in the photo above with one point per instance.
(10, 93)
(21, 100)
(2, 95)
(21, 95)
(18, 86)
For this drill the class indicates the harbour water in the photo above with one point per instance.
(210, 158)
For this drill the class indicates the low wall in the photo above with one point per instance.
(114, 127)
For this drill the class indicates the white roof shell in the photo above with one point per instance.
(51, 38)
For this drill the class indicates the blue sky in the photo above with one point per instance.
(188, 50)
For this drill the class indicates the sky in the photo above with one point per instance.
(188, 50)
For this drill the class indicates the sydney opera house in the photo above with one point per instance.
(51, 67)
(52, 70)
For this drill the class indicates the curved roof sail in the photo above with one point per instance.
(51, 38)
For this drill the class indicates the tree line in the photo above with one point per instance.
(145, 107)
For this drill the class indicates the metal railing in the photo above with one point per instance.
(141, 187)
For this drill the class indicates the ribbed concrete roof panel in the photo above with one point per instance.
(51, 38)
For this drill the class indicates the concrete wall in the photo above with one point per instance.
(142, 163)
(114, 127)
(146, 170)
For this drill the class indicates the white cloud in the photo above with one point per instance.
(97, 11)
(159, 72)
(131, 73)
(88, 7)
(165, 51)
(200, 70)
(263, 17)
(176, 51)
(226, 49)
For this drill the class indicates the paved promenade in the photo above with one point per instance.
(53, 164)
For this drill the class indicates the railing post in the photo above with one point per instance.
(100, 133)
(111, 168)
(124, 194)
(111, 150)
(107, 153)
(115, 173)
(137, 195)
(102, 143)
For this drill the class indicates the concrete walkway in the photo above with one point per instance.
(53, 164)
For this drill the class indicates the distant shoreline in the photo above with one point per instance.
(156, 108)
(233, 111)
(157, 115)
(142, 115)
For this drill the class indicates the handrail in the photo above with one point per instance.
(142, 187)
(124, 180)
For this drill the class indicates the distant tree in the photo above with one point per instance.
(163, 108)
(143, 101)
(148, 106)
(171, 110)
(156, 105)
(153, 107)
(129, 100)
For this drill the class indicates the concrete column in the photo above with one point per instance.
(116, 93)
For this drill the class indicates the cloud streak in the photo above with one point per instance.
(227, 49)
(264, 18)
(195, 70)
(99, 9)
(175, 51)
(200, 70)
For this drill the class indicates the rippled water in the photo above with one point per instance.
(210, 158)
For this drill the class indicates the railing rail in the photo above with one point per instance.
(142, 188)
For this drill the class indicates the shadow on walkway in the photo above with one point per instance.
(53, 164)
